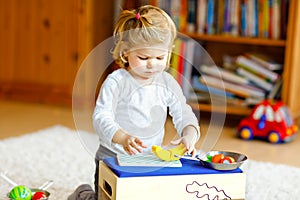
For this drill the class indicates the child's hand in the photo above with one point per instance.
(130, 144)
(189, 138)
(133, 144)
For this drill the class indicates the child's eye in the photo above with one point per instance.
(142, 58)
(160, 58)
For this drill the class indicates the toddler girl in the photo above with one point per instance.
(132, 106)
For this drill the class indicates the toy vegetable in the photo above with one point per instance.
(20, 192)
(220, 158)
(39, 196)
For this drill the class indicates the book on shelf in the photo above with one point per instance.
(181, 65)
(183, 16)
(246, 18)
(181, 58)
(284, 17)
(227, 75)
(265, 18)
(239, 85)
(239, 90)
(256, 68)
(192, 13)
(211, 98)
(210, 17)
(275, 93)
(275, 19)
(199, 86)
(204, 93)
(189, 54)
(256, 80)
(201, 16)
(175, 9)
(251, 18)
(220, 17)
(264, 60)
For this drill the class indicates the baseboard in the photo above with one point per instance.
(36, 92)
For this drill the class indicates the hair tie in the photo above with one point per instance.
(137, 16)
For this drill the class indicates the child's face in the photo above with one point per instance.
(146, 62)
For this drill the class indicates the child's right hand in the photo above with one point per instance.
(130, 144)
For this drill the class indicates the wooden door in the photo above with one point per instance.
(43, 43)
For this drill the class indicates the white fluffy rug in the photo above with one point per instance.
(57, 154)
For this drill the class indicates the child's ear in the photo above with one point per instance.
(124, 46)
(125, 53)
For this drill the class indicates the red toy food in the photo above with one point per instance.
(220, 158)
(227, 160)
(217, 158)
(269, 120)
(39, 196)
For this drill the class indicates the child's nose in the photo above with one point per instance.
(150, 63)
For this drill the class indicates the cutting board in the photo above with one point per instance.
(145, 160)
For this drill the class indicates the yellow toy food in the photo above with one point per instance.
(169, 155)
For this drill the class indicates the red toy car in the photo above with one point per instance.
(269, 120)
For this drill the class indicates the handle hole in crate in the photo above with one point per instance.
(107, 188)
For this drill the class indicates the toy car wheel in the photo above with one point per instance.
(246, 133)
(274, 137)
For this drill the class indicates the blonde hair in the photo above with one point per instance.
(147, 25)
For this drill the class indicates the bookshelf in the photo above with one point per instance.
(234, 110)
(285, 50)
(235, 45)
(237, 40)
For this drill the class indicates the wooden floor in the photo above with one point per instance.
(17, 118)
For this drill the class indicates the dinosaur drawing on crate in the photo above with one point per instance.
(203, 191)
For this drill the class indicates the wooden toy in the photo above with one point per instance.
(191, 181)
(145, 160)
(171, 154)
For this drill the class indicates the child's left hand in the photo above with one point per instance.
(189, 138)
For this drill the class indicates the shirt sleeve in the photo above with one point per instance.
(181, 113)
(103, 116)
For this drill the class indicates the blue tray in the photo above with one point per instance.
(189, 167)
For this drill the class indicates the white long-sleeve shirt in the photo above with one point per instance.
(140, 110)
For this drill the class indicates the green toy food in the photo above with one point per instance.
(20, 193)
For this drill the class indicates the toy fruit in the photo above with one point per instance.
(20, 192)
(217, 158)
(39, 196)
(221, 158)
(169, 155)
(227, 160)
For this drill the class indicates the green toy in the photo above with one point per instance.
(20, 192)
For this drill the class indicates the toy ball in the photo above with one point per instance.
(20, 193)
(39, 196)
